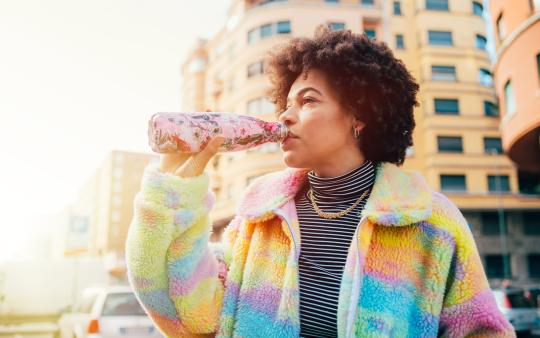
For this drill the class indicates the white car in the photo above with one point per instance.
(111, 312)
(518, 309)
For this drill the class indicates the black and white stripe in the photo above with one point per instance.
(325, 243)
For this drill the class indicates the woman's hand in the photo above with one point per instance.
(190, 165)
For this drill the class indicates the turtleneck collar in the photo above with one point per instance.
(343, 187)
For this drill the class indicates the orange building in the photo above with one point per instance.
(516, 27)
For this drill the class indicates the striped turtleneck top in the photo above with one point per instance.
(324, 245)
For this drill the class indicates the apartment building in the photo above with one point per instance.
(457, 141)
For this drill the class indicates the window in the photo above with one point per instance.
(509, 99)
(266, 30)
(538, 63)
(367, 2)
(336, 25)
(447, 106)
(397, 8)
(490, 109)
(443, 73)
(478, 8)
(437, 5)
(370, 33)
(498, 183)
(260, 106)
(481, 41)
(116, 216)
(529, 183)
(531, 223)
(491, 225)
(493, 145)
(253, 35)
(453, 183)
(255, 68)
(440, 38)
(501, 27)
(484, 77)
(494, 265)
(400, 44)
(283, 27)
(331, 1)
(450, 144)
(533, 261)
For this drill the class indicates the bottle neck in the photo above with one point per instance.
(283, 131)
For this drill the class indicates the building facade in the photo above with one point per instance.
(457, 141)
(96, 225)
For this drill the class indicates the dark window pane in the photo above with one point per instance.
(490, 109)
(440, 38)
(370, 33)
(481, 41)
(331, 1)
(450, 144)
(533, 261)
(368, 2)
(443, 73)
(437, 5)
(498, 183)
(529, 183)
(531, 223)
(478, 8)
(397, 8)
(453, 183)
(446, 106)
(490, 223)
(284, 27)
(337, 25)
(494, 266)
(400, 43)
(538, 63)
(492, 145)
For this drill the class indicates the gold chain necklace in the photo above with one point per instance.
(332, 215)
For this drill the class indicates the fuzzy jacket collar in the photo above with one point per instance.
(398, 197)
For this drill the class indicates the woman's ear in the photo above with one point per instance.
(358, 125)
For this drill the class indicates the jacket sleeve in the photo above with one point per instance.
(171, 266)
(469, 307)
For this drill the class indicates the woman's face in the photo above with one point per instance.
(322, 136)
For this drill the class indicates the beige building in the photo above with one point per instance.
(97, 223)
(457, 141)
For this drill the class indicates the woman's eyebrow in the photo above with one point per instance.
(303, 90)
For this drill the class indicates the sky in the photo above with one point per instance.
(77, 80)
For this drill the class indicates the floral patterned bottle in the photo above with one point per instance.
(189, 132)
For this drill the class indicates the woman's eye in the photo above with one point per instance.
(308, 100)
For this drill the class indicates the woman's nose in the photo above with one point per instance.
(286, 117)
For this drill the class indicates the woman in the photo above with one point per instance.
(343, 243)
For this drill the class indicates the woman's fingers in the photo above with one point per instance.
(168, 163)
(197, 163)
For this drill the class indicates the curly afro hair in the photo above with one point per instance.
(371, 83)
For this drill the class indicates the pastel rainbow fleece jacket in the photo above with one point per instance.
(413, 269)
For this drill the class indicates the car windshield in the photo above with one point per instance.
(518, 300)
(122, 304)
